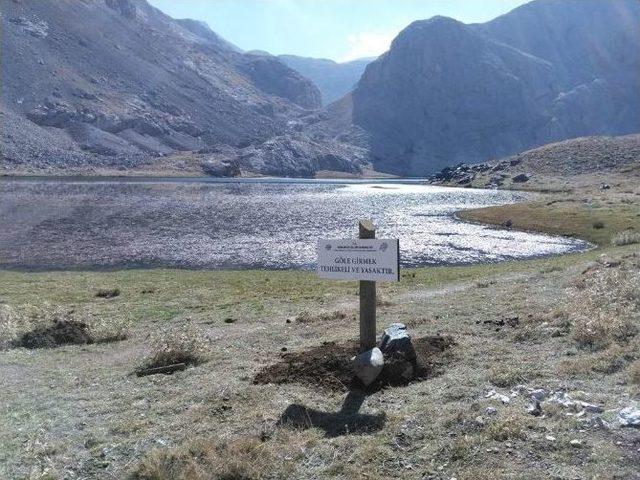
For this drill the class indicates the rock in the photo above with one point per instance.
(629, 417)
(520, 178)
(534, 408)
(597, 423)
(538, 394)
(368, 365)
(589, 407)
(396, 339)
(479, 420)
(508, 223)
(562, 398)
(551, 438)
(493, 395)
(491, 411)
(217, 168)
(398, 351)
(575, 443)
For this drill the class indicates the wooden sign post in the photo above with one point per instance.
(367, 297)
(368, 260)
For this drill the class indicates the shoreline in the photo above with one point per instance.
(580, 246)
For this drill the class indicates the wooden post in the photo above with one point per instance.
(367, 298)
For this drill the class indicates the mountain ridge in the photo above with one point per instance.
(117, 84)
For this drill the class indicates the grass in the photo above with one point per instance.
(598, 222)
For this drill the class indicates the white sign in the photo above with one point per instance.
(358, 259)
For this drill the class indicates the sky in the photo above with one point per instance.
(341, 30)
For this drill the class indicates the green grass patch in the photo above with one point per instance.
(596, 222)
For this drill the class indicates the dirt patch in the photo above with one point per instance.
(328, 365)
(61, 332)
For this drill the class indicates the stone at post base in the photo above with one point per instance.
(399, 355)
(368, 365)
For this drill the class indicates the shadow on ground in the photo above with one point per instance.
(346, 421)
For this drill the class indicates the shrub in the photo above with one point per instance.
(625, 238)
(178, 344)
(108, 293)
(598, 225)
(607, 308)
(48, 326)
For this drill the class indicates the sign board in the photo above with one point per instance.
(359, 259)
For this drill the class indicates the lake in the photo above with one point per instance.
(244, 223)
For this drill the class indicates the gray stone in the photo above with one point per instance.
(589, 407)
(400, 356)
(538, 394)
(562, 398)
(368, 365)
(534, 408)
(218, 168)
(491, 411)
(520, 178)
(629, 417)
(396, 339)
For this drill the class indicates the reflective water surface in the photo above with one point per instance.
(272, 224)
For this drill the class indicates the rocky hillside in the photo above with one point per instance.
(103, 85)
(332, 78)
(562, 160)
(448, 92)
(117, 83)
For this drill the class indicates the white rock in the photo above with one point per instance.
(562, 398)
(551, 438)
(490, 411)
(589, 407)
(493, 395)
(629, 417)
(368, 365)
(575, 443)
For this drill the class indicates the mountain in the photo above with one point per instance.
(447, 92)
(332, 78)
(117, 82)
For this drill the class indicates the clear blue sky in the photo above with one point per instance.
(336, 29)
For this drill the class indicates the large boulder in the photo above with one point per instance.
(399, 355)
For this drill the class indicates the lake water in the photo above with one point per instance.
(272, 224)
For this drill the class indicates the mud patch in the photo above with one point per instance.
(328, 366)
(61, 332)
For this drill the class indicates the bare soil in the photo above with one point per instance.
(327, 366)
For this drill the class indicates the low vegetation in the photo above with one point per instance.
(626, 238)
(175, 345)
(605, 306)
(568, 326)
